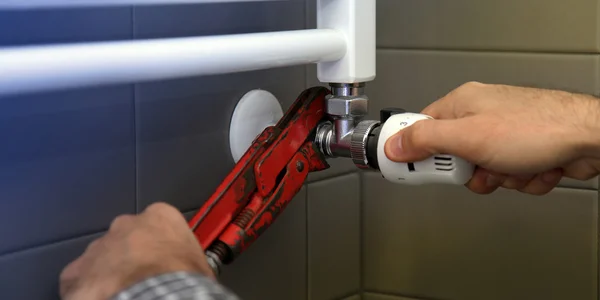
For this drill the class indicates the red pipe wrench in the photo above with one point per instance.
(263, 182)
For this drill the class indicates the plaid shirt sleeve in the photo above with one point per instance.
(176, 286)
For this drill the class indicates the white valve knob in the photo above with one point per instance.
(440, 168)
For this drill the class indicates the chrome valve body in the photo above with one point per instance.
(345, 134)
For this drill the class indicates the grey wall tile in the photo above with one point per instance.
(414, 79)
(67, 164)
(337, 166)
(274, 267)
(444, 242)
(334, 237)
(34, 274)
(533, 25)
(218, 18)
(183, 131)
(580, 184)
(372, 296)
(190, 214)
(34, 27)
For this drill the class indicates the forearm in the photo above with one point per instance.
(176, 286)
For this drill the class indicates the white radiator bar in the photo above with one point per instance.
(55, 67)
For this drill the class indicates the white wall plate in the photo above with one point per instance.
(257, 110)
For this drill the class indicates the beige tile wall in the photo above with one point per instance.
(517, 25)
(334, 237)
(448, 243)
(445, 243)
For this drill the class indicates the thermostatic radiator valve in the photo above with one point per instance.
(363, 141)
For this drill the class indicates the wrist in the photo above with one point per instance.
(588, 125)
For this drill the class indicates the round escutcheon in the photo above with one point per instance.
(257, 110)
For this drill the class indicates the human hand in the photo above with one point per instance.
(520, 138)
(154, 242)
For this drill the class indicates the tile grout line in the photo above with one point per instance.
(347, 296)
(306, 206)
(361, 235)
(341, 174)
(597, 237)
(399, 295)
(485, 51)
(598, 192)
(307, 241)
(597, 93)
(53, 242)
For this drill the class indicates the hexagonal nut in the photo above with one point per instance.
(347, 106)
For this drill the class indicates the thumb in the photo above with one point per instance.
(423, 139)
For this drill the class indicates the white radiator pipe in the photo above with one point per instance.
(47, 68)
(44, 4)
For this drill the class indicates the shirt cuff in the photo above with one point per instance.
(176, 286)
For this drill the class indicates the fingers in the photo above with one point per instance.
(165, 214)
(120, 222)
(68, 277)
(584, 169)
(156, 211)
(517, 182)
(163, 210)
(486, 182)
(542, 183)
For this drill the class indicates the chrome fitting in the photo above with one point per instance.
(346, 107)
(347, 89)
(323, 138)
(358, 143)
(346, 134)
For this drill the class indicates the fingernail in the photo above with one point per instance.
(493, 180)
(551, 177)
(396, 145)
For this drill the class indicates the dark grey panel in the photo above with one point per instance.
(414, 79)
(334, 237)
(67, 164)
(190, 214)
(444, 242)
(34, 274)
(183, 131)
(532, 25)
(64, 26)
(216, 19)
(274, 267)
